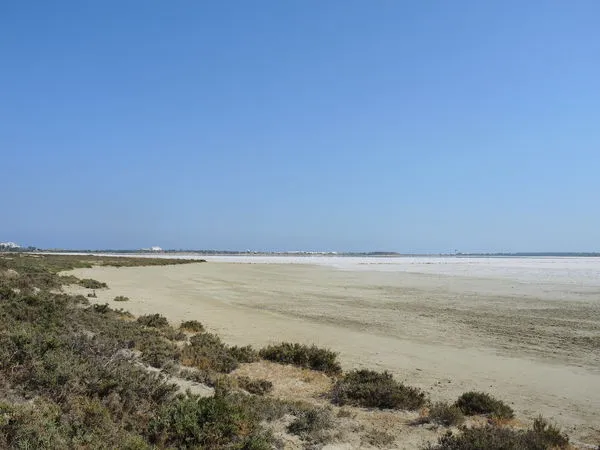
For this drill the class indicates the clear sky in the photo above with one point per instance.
(423, 126)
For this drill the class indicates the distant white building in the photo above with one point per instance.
(9, 245)
(156, 249)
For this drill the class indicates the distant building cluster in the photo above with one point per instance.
(152, 249)
(9, 246)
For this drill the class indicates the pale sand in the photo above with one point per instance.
(533, 343)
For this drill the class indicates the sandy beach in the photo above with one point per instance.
(525, 330)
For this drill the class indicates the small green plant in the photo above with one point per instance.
(206, 352)
(101, 309)
(312, 423)
(378, 438)
(121, 298)
(212, 422)
(245, 354)
(541, 437)
(474, 403)
(310, 357)
(258, 387)
(192, 326)
(90, 283)
(159, 353)
(446, 415)
(549, 434)
(198, 376)
(375, 389)
(153, 320)
(269, 408)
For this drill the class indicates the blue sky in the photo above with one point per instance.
(322, 125)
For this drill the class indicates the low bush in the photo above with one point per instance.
(258, 387)
(374, 389)
(377, 438)
(198, 376)
(310, 357)
(474, 403)
(172, 334)
(549, 434)
(270, 408)
(121, 298)
(68, 279)
(312, 423)
(446, 415)
(159, 353)
(192, 325)
(541, 437)
(153, 320)
(90, 283)
(207, 352)
(245, 354)
(211, 422)
(101, 309)
(81, 423)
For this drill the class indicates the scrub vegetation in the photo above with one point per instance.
(89, 376)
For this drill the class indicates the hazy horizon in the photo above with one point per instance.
(311, 251)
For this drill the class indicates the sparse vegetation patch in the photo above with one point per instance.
(254, 386)
(153, 320)
(90, 283)
(473, 403)
(445, 414)
(312, 424)
(542, 436)
(376, 390)
(206, 352)
(192, 326)
(310, 357)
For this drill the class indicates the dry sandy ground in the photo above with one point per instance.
(534, 344)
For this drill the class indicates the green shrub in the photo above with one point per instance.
(101, 309)
(374, 389)
(258, 387)
(153, 320)
(270, 408)
(549, 434)
(121, 298)
(198, 376)
(474, 403)
(245, 354)
(377, 438)
(447, 415)
(213, 422)
(80, 300)
(159, 353)
(311, 424)
(541, 437)
(90, 283)
(310, 357)
(172, 334)
(68, 279)
(192, 325)
(207, 352)
(31, 427)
